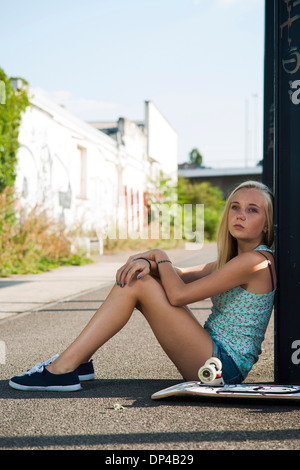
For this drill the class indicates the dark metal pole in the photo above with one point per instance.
(287, 190)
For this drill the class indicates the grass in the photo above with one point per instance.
(31, 241)
(140, 244)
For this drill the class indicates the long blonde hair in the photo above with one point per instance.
(226, 244)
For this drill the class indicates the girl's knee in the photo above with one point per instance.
(144, 287)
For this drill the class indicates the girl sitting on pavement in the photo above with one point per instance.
(241, 284)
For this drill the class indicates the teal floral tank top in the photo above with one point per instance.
(239, 320)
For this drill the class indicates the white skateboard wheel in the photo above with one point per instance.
(207, 373)
(214, 361)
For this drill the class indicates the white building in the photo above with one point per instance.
(94, 181)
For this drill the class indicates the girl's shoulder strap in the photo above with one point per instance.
(264, 248)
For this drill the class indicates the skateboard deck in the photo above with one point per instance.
(282, 392)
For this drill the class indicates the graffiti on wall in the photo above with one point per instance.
(291, 59)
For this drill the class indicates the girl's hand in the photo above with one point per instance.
(136, 267)
(133, 269)
(150, 254)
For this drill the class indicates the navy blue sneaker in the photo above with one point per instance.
(86, 371)
(40, 379)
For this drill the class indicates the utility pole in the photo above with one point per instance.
(286, 23)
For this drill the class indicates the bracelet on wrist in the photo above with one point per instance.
(146, 259)
(163, 261)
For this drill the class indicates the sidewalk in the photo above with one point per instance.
(31, 292)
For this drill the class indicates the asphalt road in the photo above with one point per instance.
(129, 368)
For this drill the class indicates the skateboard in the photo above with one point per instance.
(211, 384)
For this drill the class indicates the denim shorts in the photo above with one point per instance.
(230, 371)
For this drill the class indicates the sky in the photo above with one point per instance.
(199, 61)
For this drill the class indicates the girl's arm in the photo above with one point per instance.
(142, 264)
(195, 272)
(238, 271)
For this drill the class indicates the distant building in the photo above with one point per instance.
(161, 139)
(224, 178)
(95, 180)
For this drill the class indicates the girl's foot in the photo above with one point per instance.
(39, 378)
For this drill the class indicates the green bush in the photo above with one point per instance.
(203, 193)
(11, 110)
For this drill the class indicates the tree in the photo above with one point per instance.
(203, 193)
(11, 109)
(196, 157)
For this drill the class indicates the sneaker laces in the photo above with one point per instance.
(39, 367)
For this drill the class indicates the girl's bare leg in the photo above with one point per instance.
(183, 339)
